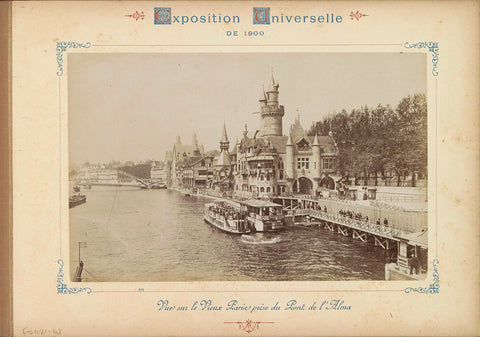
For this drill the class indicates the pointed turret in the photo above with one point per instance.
(224, 138)
(224, 142)
(273, 85)
(271, 112)
(263, 95)
(316, 142)
(289, 158)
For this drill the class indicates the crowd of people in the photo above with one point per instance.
(358, 216)
(228, 211)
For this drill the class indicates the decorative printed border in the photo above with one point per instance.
(248, 325)
(432, 47)
(434, 288)
(62, 287)
(62, 47)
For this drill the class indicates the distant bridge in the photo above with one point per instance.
(146, 183)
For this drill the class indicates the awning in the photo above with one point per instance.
(260, 203)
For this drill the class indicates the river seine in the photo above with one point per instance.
(160, 235)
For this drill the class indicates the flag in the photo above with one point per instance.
(82, 245)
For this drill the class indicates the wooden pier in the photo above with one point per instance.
(408, 244)
(380, 235)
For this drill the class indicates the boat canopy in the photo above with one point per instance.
(260, 203)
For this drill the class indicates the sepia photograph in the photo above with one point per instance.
(247, 166)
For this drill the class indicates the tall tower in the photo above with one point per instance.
(289, 158)
(271, 113)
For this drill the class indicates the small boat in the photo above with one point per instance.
(87, 187)
(76, 188)
(76, 200)
(226, 216)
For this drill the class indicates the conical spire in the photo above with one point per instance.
(272, 86)
(224, 142)
(263, 96)
(224, 138)
(315, 140)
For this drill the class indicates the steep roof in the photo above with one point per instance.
(279, 143)
(223, 159)
(224, 138)
(297, 132)
(212, 153)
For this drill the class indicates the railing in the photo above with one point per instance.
(359, 224)
(409, 222)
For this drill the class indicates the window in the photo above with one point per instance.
(303, 163)
(203, 163)
(262, 189)
(268, 189)
(328, 163)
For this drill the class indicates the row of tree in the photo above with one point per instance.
(381, 141)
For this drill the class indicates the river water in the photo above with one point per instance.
(160, 235)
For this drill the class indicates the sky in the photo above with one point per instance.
(132, 106)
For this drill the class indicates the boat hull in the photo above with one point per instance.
(76, 200)
(220, 224)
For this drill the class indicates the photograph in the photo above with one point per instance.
(301, 166)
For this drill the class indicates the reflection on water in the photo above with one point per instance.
(160, 235)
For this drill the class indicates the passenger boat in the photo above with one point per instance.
(264, 216)
(76, 200)
(226, 216)
(257, 216)
(76, 188)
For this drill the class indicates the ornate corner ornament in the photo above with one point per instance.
(137, 15)
(434, 288)
(62, 46)
(62, 287)
(432, 47)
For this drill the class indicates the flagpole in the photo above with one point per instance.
(78, 253)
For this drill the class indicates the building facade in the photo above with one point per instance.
(270, 163)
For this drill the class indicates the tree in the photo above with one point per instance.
(380, 140)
